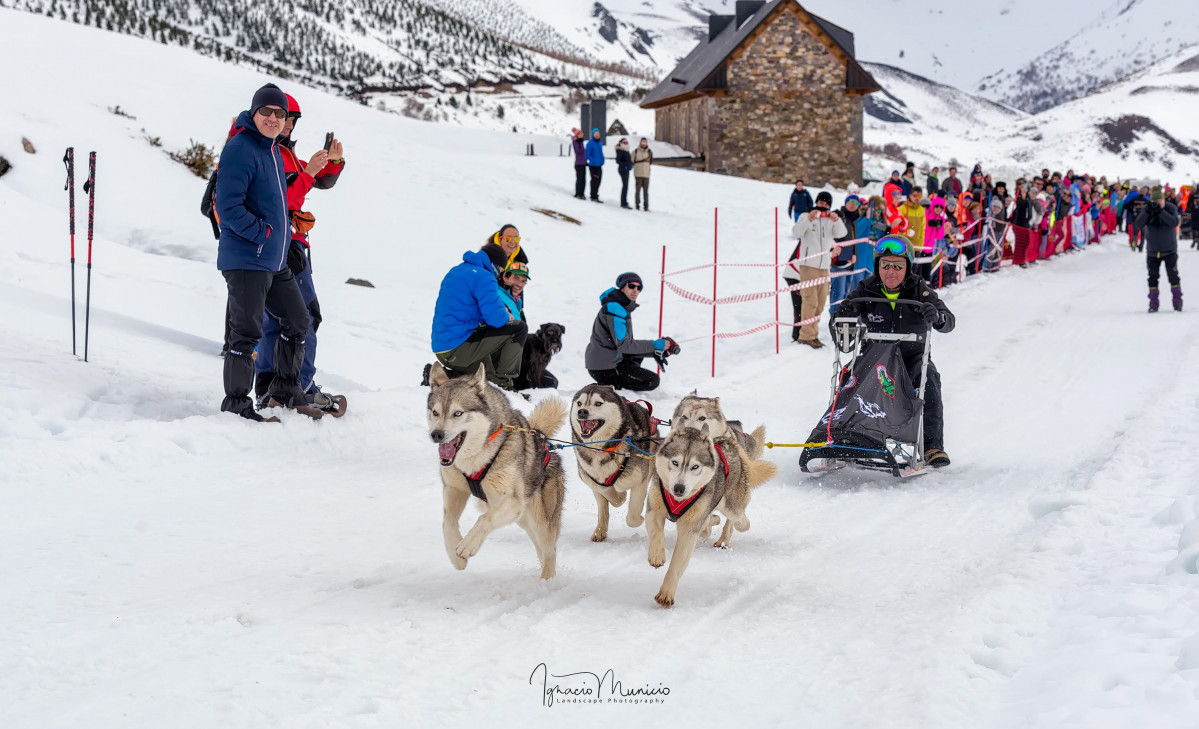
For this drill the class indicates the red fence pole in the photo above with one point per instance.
(715, 256)
(661, 298)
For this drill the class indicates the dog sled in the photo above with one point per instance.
(875, 417)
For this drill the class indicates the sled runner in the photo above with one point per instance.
(875, 417)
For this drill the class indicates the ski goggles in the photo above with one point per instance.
(893, 245)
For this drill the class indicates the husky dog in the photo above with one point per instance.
(694, 411)
(512, 471)
(615, 470)
(694, 476)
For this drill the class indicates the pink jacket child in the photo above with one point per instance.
(935, 223)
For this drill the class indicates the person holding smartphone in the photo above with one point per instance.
(321, 171)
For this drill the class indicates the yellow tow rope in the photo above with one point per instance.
(821, 444)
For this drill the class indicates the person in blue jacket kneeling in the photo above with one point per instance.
(471, 324)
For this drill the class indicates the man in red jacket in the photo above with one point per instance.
(321, 171)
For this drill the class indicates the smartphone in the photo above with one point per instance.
(328, 140)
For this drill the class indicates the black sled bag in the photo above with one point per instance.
(874, 402)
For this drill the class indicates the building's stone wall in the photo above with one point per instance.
(785, 116)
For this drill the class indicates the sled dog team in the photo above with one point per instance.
(706, 466)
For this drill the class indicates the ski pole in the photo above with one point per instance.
(90, 188)
(69, 160)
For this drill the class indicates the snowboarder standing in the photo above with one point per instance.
(252, 255)
(1158, 221)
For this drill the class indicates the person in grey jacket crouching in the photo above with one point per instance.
(613, 355)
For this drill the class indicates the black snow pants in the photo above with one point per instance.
(934, 409)
(250, 294)
(629, 375)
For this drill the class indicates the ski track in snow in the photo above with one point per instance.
(166, 565)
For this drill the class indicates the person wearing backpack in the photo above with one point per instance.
(321, 172)
(251, 205)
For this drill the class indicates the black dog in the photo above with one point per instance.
(539, 348)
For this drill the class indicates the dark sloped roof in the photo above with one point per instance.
(706, 59)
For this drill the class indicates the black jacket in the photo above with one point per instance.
(1022, 213)
(624, 160)
(880, 317)
(499, 259)
(1159, 222)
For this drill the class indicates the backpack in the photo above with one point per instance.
(208, 205)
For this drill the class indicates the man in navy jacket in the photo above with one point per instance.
(251, 208)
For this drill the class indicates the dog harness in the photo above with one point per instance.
(476, 481)
(653, 422)
(619, 470)
(676, 509)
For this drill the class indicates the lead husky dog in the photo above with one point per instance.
(512, 472)
(693, 412)
(694, 476)
(614, 471)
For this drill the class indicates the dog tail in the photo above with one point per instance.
(548, 416)
(757, 440)
(759, 472)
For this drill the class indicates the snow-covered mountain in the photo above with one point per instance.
(1127, 36)
(1141, 127)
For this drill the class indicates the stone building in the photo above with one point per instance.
(772, 93)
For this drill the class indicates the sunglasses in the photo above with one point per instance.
(510, 238)
(634, 286)
(892, 265)
(915, 196)
(278, 113)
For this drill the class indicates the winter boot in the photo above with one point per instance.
(936, 458)
(1176, 293)
(1153, 300)
(334, 405)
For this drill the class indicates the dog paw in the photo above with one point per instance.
(664, 599)
(467, 548)
(721, 543)
(599, 535)
(657, 559)
(634, 520)
(458, 562)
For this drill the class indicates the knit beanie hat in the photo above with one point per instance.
(1156, 193)
(825, 197)
(853, 198)
(269, 95)
(625, 279)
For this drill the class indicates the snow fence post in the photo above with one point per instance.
(715, 256)
(661, 298)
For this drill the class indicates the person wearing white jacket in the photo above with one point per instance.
(817, 232)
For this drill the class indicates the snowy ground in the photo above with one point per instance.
(165, 565)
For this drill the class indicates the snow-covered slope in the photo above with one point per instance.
(1127, 36)
(166, 565)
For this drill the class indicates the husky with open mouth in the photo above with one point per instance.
(490, 451)
(694, 477)
(614, 468)
(694, 412)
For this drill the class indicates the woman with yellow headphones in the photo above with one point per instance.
(503, 248)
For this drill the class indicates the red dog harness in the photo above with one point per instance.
(476, 481)
(676, 509)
